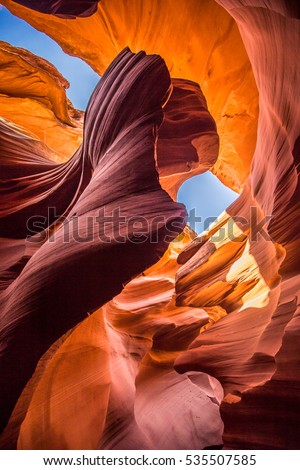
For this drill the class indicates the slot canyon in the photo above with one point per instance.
(121, 327)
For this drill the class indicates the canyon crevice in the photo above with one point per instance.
(145, 335)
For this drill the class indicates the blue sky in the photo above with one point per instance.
(207, 196)
(80, 75)
(204, 194)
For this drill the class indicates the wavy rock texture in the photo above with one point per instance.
(127, 350)
(79, 191)
(257, 283)
(212, 54)
(213, 326)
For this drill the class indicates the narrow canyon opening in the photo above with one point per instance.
(205, 198)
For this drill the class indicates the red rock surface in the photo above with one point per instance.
(212, 54)
(211, 330)
(254, 350)
(35, 305)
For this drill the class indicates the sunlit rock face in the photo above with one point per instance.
(32, 91)
(212, 54)
(84, 244)
(116, 370)
(188, 342)
(256, 280)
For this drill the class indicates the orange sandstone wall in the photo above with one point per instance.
(213, 326)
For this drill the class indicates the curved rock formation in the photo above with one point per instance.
(260, 333)
(213, 326)
(126, 350)
(89, 243)
(211, 54)
(33, 96)
(188, 141)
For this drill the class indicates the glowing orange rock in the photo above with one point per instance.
(227, 316)
(87, 192)
(198, 40)
(118, 365)
(33, 96)
(254, 351)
